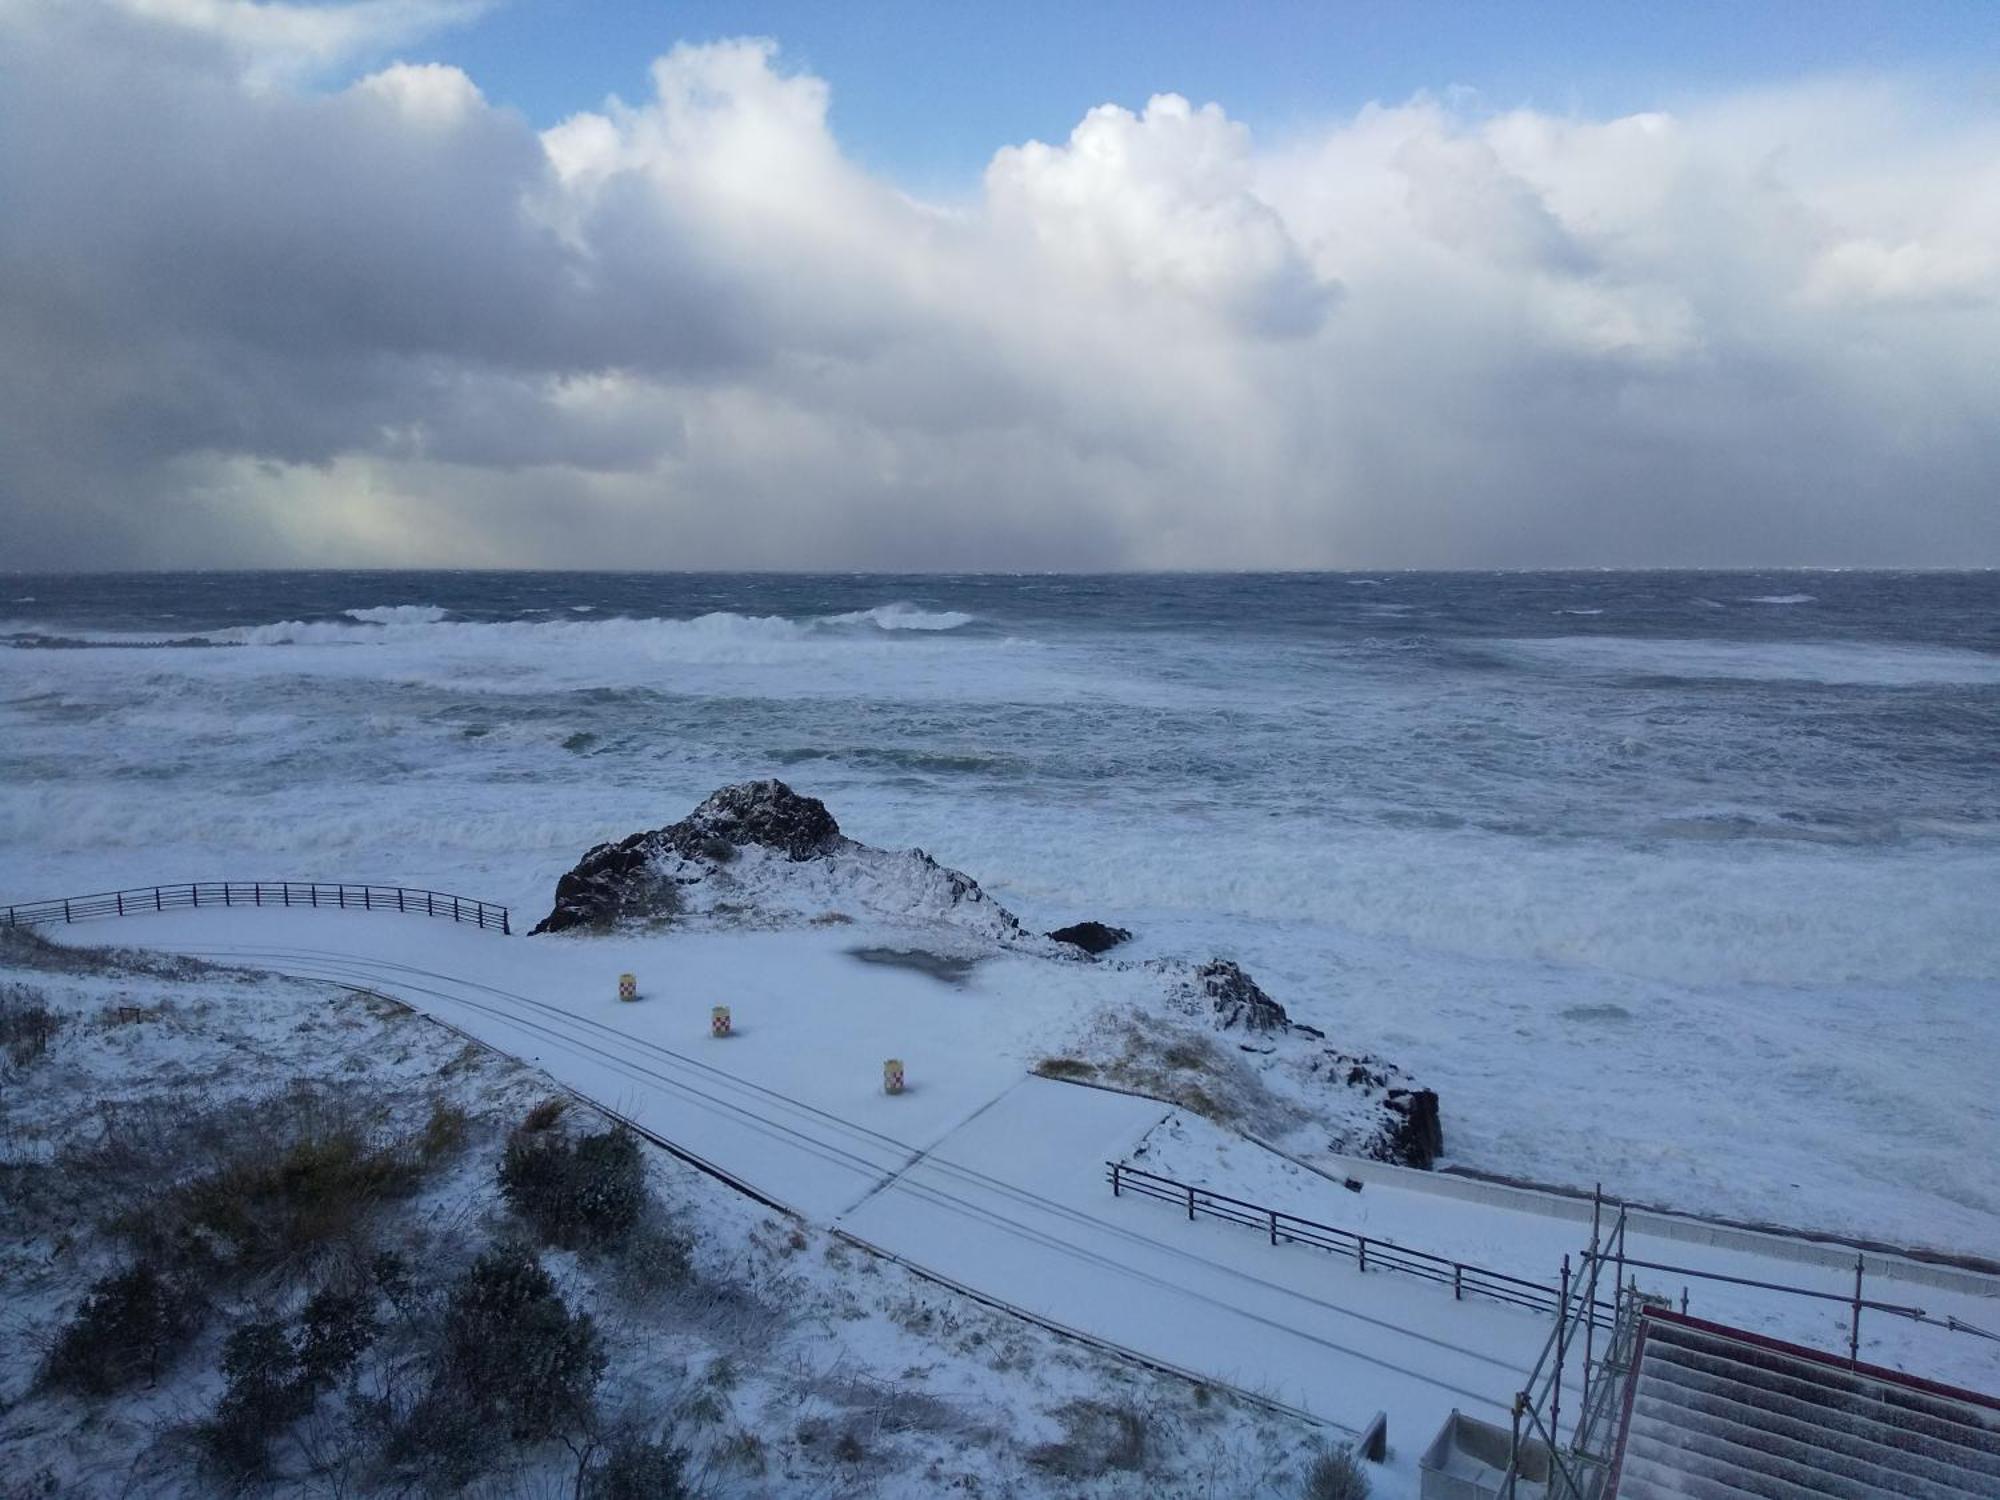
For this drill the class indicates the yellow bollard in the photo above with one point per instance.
(718, 1021)
(628, 987)
(892, 1076)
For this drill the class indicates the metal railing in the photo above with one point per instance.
(1580, 1466)
(274, 893)
(1368, 1254)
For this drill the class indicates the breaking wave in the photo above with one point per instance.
(399, 614)
(900, 616)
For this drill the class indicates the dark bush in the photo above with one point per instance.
(27, 1025)
(131, 1324)
(511, 1360)
(636, 1470)
(272, 1380)
(335, 1330)
(582, 1193)
(265, 1392)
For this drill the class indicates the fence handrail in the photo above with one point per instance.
(1463, 1277)
(344, 895)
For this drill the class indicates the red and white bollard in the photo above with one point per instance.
(628, 987)
(892, 1076)
(718, 1021)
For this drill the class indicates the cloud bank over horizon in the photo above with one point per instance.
(251, 318)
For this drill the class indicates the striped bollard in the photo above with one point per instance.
(892, 1076)
(628, 987)
(718, 1021)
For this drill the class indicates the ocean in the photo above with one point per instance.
(1682, 882)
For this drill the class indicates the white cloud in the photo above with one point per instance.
(250, 320)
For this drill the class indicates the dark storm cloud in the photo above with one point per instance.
(249, 320)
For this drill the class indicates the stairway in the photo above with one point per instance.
(1720, 1417)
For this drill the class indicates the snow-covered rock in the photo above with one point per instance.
(758, 854)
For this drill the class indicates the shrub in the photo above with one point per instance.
(588, 1192)
(510, 1359)
(130, 1324)
(272, 1380)
(264, 1392)
(635, 1470)
(27, 1025)
(1336, 1475)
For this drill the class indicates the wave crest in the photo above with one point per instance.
(399, 614)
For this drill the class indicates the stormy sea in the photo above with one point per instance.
(1681, 882)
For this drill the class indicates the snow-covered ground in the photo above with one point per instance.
(794, 1363)
(991, 1179)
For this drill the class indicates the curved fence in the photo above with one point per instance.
(276, 893)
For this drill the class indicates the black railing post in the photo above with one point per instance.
(366, 893)
(257, 894)
(1190, 1192)
(341, 896)
(430, 903)
(1854, 1329)
(1457, 1282)
(1361, 1241)
(156, 900)
(1274, 1226)
(120, 896)
(399, 898)
(1114, 1181)
(66, 915)
(454, 908)
(505, 930)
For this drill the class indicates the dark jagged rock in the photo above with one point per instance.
(1092, 937)
(768, 813)
(1237, 1000)
(1417, 1139)
(622, 879)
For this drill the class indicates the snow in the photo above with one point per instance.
(943, 1394)
(996, 1181)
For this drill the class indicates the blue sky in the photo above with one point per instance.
(927, 92)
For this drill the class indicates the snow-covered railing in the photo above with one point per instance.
(255, 893)
(1465, 1280)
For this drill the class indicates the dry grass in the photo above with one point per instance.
(1067, 1068)
(1099, 1437)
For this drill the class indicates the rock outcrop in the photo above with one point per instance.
(760, 853)
(1092, 937)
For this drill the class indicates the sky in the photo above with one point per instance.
(578, 283)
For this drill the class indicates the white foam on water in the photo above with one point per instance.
(1780, 599)
(399, 614)
(1217, 793)
(900, 616)
(1856, 663)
